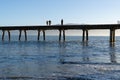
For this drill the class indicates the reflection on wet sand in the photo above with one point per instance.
(49, 78)
(62, 50)
(112, 53)
(86, 58)
(55, 61)
(85, 53)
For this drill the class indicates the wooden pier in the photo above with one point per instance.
(61, 28)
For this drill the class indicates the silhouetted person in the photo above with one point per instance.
(47, 22)
(61, 21)
(50, 22)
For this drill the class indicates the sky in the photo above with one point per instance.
(36, 12)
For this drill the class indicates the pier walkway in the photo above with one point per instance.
(62, 28)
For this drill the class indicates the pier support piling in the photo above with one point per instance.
(20, 33)
(44, 35)
(25, 35)
(63, 35)
(38, 35)
(59, 35)
(85, 35)
(9, 35)
(112, 35)
(3, 35)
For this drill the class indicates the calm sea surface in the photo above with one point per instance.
(56, 60)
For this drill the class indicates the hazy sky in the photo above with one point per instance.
(36, 12)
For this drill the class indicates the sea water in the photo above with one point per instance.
(96, 59)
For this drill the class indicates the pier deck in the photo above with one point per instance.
(61, 28)
(57, 27)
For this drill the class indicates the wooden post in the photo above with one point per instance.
(110, 35)
(59, 35)
(83, 36)
(9, 34)
(3, 35)
(20, 31)
(38, 35)
(63, 35)
(44, 35)
(113, 35)
(25, 35)
(86, 35)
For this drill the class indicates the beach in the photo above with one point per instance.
(54, 60)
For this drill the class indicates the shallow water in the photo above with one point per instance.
(52, 59)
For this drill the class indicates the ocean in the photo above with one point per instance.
(96, 59)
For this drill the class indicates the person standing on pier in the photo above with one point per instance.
(47, 23)
(61, 21)
(50, 22)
